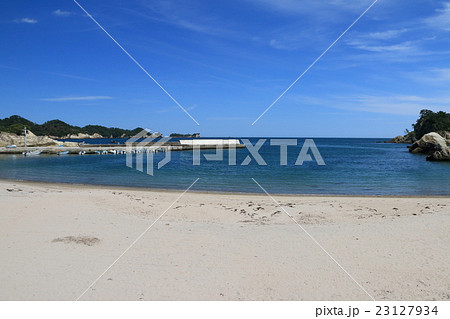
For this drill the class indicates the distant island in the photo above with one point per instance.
(195, 135)
(58, 129)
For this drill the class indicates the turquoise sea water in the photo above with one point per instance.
(353, 166)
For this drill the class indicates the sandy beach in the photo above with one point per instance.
(58, 239)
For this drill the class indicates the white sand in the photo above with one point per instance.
(56, 240)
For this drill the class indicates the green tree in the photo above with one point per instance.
(430, 121)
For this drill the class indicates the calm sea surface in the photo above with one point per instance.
(353, 166)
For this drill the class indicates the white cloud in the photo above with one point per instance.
(394, 104)
(442, 19)
(184, 15)
(382, 103)
(432, 75)
(76, 98)
(404, 46)
(386, 35)
(70, 76)
(389, 40)
(441, 74)
(26, 20)
(311, 7)
(308, 23)
(62, 13)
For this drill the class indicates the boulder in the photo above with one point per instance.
(446, 135)
(83, 136)
(429, 144)
(440, 155)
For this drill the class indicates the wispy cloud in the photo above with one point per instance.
(26, 20)
(388, 34)
(229, 118)
(391, 104)
(173, 109)
(76, 98)
(310, 7)
(307, 23)
(388, 40)
(294, 39)
(62, 13)
(434, 76)
(442, 18)
(70, 76)
(367, 46)
(8, 67)
(396, 104)
(389, 45)
(184, 15)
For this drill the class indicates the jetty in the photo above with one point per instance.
(136, 147)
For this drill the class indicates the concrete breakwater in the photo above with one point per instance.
(86, 149)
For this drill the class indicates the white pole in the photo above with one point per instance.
(25, 137)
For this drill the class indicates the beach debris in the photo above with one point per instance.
(79, 240)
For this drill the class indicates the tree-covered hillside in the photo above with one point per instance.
(57, 128)
(430, 121)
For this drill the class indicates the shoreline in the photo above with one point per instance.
(205, 192)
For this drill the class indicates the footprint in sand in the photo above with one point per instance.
(13, 189)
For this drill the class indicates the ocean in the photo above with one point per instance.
(353, 166)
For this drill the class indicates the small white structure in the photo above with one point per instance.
(200, 142)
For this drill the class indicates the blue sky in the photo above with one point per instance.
(226, 62)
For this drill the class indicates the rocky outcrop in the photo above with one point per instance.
(428, 144)
(407, 139)
(397, 139)
(446, 135)
(440, 155)
(434, 145)
(32, 140)
(82, 136)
